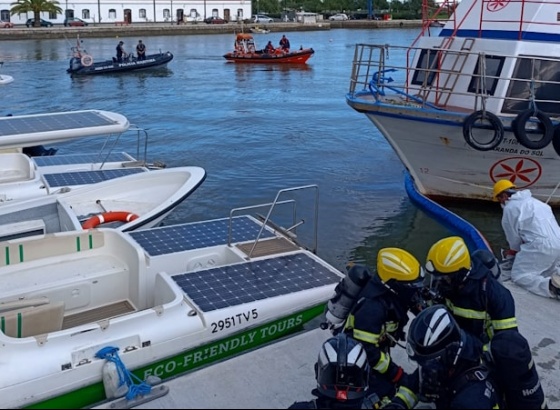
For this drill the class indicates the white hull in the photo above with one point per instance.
(149, 195)
(178, 296)
(444, 166)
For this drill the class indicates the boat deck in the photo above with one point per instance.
(281, 272)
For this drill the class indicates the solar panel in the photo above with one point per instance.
(53, 122)
(87, 177)
(72, 159)
(177, 238)
(232, 285)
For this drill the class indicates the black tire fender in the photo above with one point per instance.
(495, 123)
(518, 126)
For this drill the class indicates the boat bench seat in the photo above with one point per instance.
(32, 320)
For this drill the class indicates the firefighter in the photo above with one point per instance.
(446, 376)
(381, 313)
(483, 308)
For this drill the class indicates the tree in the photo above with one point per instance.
(36, 7)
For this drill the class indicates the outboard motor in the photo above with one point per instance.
(346, 296)
(489, 260)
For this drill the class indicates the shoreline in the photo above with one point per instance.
(160, 29)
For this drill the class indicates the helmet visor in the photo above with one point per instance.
(351, 376)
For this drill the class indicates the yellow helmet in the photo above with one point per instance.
(447, 256)
(397, 264)
(501, 186)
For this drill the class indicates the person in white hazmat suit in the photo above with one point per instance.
(533, 236)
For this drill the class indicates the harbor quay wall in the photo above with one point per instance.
(161, 29)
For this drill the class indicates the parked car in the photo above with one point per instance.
(44, 23)
(6, 24)
(214, 20)
(262, 18)
(74, 22)
(338, 17)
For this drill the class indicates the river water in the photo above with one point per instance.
(255, 129)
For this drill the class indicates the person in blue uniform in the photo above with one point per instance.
(450, 374)
(485, 310)
(121, 54)
(342, 373)
(379, 317)
(140, 50)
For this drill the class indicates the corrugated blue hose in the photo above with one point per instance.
(111, 354)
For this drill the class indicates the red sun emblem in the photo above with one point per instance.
(522, 171)
(496, 5)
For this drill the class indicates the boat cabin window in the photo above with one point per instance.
(426, 68)
(536, 76)
(492, 66)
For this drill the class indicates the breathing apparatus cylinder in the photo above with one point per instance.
(346, 296)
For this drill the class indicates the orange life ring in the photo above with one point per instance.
(109, 217)
(86, 60)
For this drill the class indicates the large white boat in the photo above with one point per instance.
(24, 176)
(472, 104)
(170, 299)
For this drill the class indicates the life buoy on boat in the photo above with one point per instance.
(86, 60)
(546, 127)
(106, 217)
(495, 124)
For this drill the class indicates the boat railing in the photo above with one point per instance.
(141, 155)
(384, 72)
(289, 232)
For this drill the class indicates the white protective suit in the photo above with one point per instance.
(532, 230)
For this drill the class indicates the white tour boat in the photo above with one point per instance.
(23, 177)
(136, 201)
(168, 300)
(476, 103)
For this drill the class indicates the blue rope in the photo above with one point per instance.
(135, 385)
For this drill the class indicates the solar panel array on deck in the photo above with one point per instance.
(88, 177)
(71, 159)
(177, 238)
(233, 285)
(54, 122)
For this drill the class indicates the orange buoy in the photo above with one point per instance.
(109, 217)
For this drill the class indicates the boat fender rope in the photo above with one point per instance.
(111, 354)
(86, 60)
(111, 216)
(478, 119)
(545, 126)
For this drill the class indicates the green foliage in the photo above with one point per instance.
(36, 7)
(407, 9)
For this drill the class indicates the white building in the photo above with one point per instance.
(139, 11)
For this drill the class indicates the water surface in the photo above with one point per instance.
(255, 129)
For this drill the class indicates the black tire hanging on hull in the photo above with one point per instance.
(495, 124)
